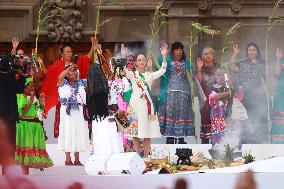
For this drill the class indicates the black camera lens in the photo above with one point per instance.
(75, 58)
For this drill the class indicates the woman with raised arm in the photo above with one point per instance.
(175, 110)
(277, 130)
(50, 88)
(143, 117)
(73, 128)
(251, 72)
(205, 74)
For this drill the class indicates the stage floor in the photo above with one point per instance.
(269, 172)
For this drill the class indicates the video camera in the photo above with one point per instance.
(75, 58)
(120, 62)
(9, 62)
(25, 58)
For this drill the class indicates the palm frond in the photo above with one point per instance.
(156, 25)
(206, 29)
(233, 29)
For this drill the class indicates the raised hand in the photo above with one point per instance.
(39, 60)
(279, 53)
(94, 41)
(236, 49)
(164, 50)
(32, 98)
(199, 63)
(15, 42)
(42, 100)
(150, 62)
(108, 53)
(123, 50)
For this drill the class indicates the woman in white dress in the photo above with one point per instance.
(143, 114)
(73, 129)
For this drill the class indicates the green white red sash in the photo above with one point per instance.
(143, 85)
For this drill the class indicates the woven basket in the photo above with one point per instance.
(161, 160)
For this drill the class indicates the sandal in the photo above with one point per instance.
(78, 163)
(67, 163)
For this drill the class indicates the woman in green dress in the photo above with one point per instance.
(277, 130)
(30, 137)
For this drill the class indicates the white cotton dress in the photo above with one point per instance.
(106, 139)
(73, 129)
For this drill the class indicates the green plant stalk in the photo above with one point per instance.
(191, 37)
(96, 30)
(189, 77)
(37, 36)
(153, 35)
(267, 78)
(38, 28)
(98, 19)
(226, 43)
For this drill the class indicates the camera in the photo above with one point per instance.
(25, 58)
(119, 62)
(75, 58)
(9, 63)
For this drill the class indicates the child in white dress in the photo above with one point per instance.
(73, 128)
(106, 138)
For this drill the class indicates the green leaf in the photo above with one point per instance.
(163, 14)
(105, 21)
(205, 29)
(161, 25)
(46, 20)
(233, 29)
(151, 29)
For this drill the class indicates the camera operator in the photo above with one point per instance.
(12, 82)
(22, 60)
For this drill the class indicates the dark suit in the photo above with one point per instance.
(9, 87)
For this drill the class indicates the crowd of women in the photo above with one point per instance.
(112, 97)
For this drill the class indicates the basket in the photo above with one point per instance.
(160, 160)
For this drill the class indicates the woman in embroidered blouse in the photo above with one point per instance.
(143, 118)
(175, 110)
(73, 129)
(206, 68)
(220, 102)
(251, 71)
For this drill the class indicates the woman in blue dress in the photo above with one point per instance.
(277, 130)
(175, 110)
